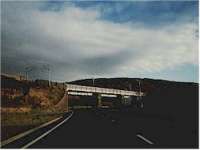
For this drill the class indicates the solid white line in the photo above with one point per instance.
(145, 139)
(46, 133)
(27, 132)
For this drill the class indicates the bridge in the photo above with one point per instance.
(91, 89)
(121, 95)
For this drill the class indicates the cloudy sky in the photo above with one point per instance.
(101, 39)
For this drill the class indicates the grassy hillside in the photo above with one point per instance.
(35, 94)
(26, 104)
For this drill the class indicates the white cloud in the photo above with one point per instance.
(74, 35)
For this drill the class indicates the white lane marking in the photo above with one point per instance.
(145, 139)
(46, 133)
(27, 132)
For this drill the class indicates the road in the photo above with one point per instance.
(90, 129)
(111, 129)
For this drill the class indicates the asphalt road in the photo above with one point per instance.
(113, 129)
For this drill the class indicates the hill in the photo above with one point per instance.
(26, 104)
(175, 100)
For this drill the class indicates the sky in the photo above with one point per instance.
(91, 39)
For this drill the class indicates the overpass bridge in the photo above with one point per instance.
(92, 89)
(72, 89)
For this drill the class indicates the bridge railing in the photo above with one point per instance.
(80, 88)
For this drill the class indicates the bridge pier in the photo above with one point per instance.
(137, 102)
(133, 100)
(140, 102)
(98, 97)
(118, 102)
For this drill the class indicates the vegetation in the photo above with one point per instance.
(13, 123)
(27, 104)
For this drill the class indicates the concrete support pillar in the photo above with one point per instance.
(137, 102)
(98, 98)
(118, 103)
(122, 101)
(141, 103)
(133, 100)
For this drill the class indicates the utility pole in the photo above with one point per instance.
(140, 87)
(130, 87)
(49, 75)
(93, 81)
(47, 67)
(27, 70)
(139, 98)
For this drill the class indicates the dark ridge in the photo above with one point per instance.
(178, 100)
(147, 85)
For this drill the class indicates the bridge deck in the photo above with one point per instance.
(91, 89)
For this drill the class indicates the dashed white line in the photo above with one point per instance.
(145, 139)
(46, 133)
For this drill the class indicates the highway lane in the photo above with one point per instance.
(115, 129)
(86, 129)
(48, 132)
(21, 142)
(93, 129)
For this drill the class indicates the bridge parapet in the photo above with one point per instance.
(80, 88)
